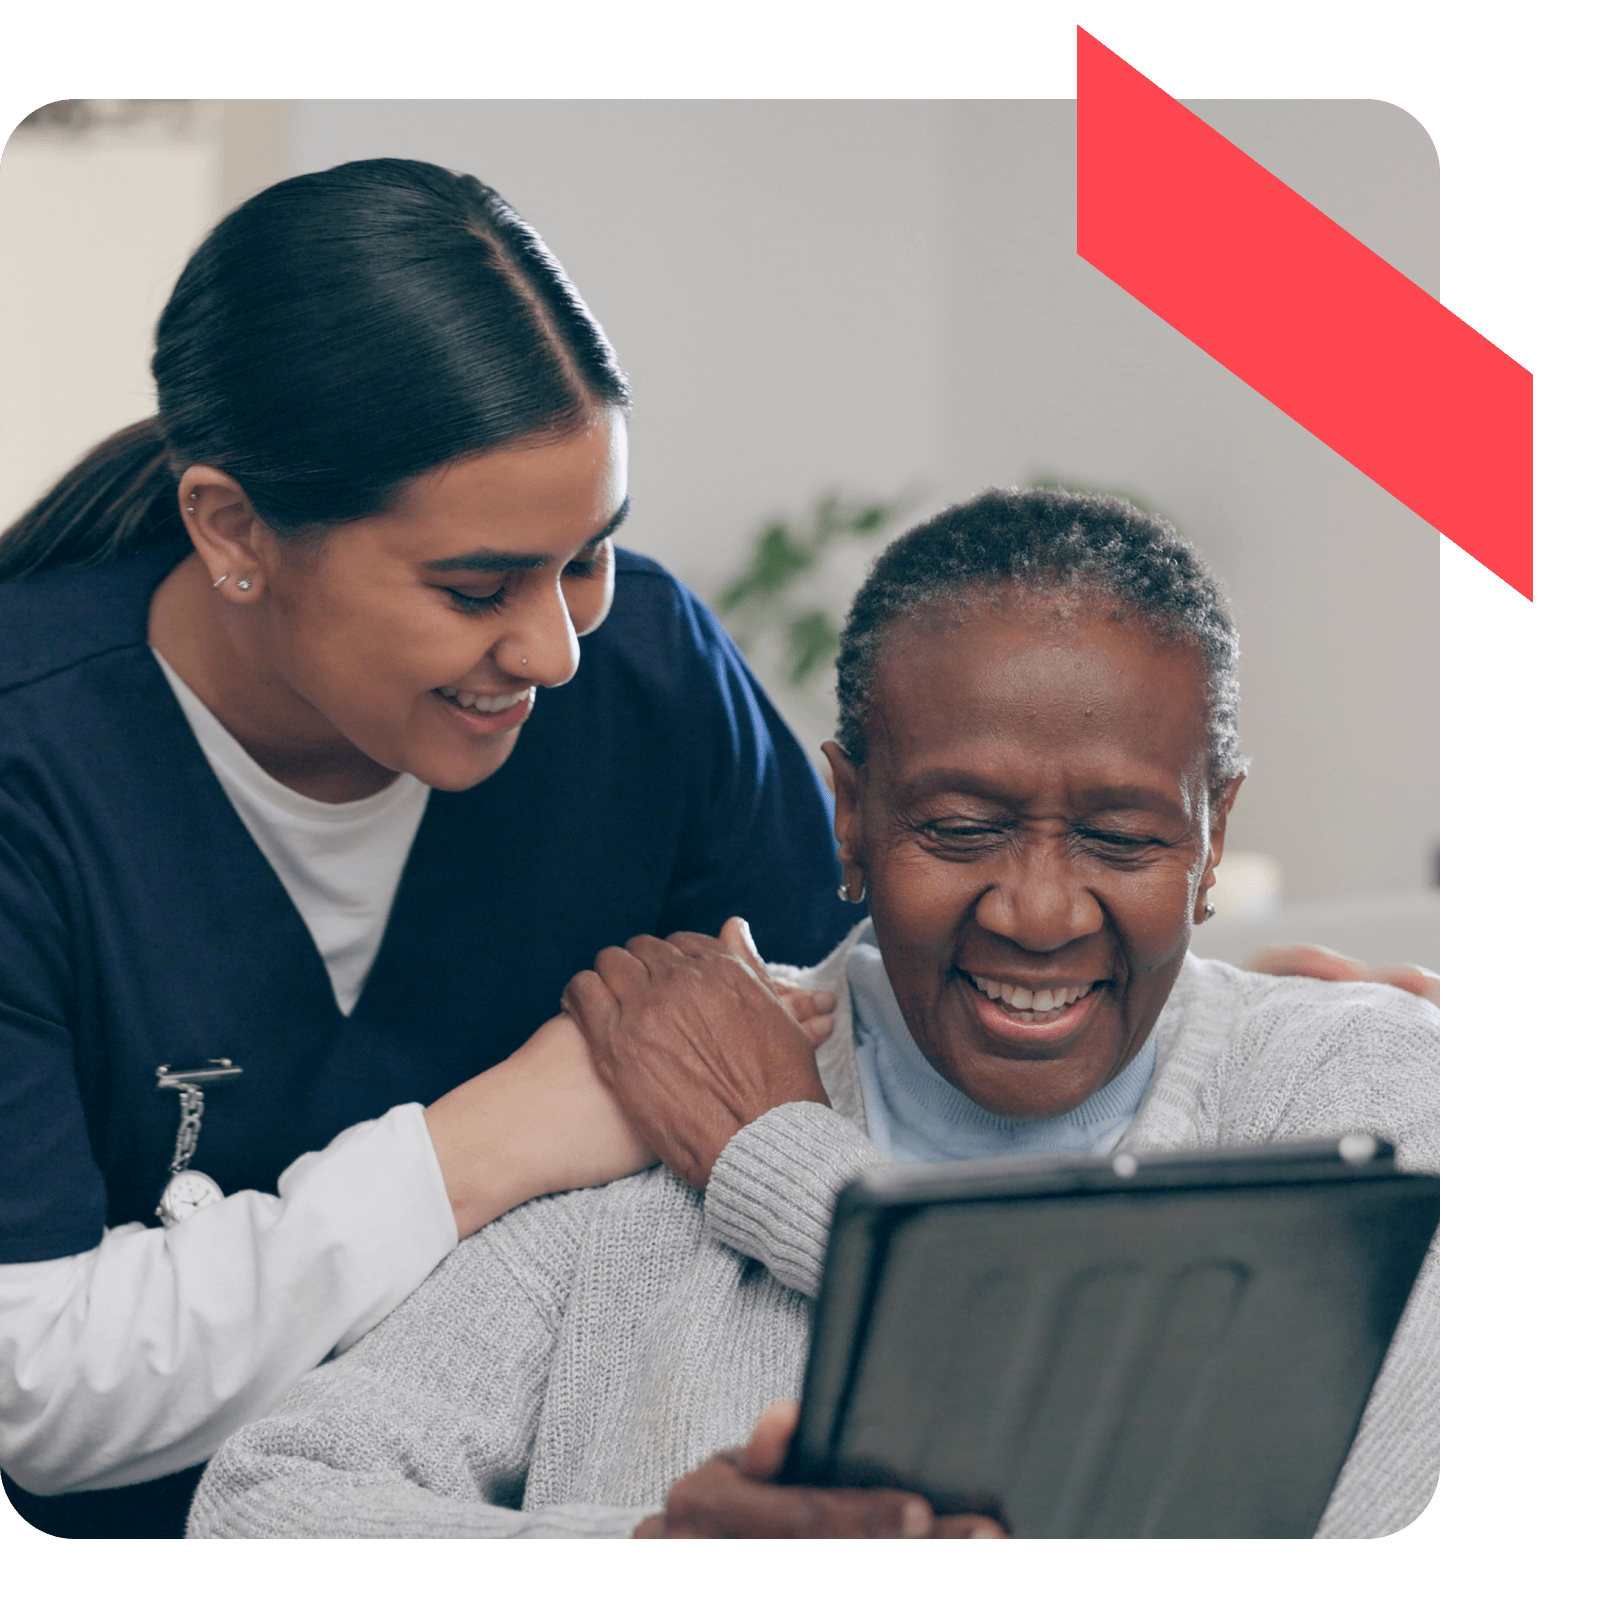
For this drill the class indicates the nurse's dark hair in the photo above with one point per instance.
(334, 337)
(1082, 550)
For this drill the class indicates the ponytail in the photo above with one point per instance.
(336, 336)
(119, 499)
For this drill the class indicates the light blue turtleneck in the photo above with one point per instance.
(916, 1116)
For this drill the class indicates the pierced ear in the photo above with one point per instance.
(225, 531)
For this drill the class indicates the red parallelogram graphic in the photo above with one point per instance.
(1305, 314)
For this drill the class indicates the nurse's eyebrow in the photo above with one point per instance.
(506, 562)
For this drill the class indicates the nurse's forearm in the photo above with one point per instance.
(541, 1122)
(138, 1357)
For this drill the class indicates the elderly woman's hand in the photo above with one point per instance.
(812, 1008)
(731, 1495)
(694, 1042)
(1318, 962)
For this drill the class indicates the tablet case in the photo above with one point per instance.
(1174, 1345)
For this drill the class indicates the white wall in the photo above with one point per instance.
(862, 295)
(1334, 584)
(92, 236)
(95, 225)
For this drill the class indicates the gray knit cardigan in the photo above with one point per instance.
(564, 1366)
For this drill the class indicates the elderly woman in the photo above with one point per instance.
(1037, 758)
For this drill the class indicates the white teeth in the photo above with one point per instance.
(483, 704)
(1031, 1004)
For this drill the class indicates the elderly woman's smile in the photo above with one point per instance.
(1034, 823)
(1037, 752)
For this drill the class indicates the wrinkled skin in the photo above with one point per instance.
(1035, 811)
(731, 1496)
(657, 1010)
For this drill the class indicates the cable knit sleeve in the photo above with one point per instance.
(772, 1190)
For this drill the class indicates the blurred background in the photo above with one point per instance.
(837, 317)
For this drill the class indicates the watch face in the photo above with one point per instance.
(188, 1192)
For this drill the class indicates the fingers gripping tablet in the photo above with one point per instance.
(1180, 1345)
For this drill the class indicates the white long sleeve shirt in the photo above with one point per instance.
(137, 1358)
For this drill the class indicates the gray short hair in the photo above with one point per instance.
(1082, 546)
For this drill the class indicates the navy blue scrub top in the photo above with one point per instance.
(140, 925)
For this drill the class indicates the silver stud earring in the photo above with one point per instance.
(1209, 911)
(244, 584)
(220, 581)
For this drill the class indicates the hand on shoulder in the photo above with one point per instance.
(695, 1041)
(1318, 962)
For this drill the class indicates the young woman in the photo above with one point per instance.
(310, 804)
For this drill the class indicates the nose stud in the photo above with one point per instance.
(523, 660)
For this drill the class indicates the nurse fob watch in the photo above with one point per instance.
(189, 1190)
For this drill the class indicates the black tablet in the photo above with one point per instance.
(1179, 1344)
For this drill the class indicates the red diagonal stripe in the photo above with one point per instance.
(1304, 313)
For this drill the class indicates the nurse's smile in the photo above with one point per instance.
(412, 641)
(372, 520)
(487, 714)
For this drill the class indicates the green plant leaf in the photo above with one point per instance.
(775, 592)
(778, 559)
(812, 642)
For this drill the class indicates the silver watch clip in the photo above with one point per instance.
(188, 1189)
(178, 1079)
